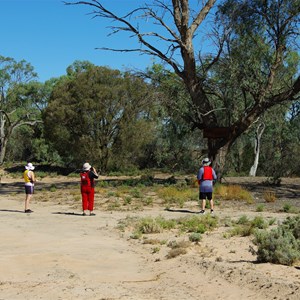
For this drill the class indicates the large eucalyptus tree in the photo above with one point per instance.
(252, 42)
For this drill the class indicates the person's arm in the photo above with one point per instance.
(94, 173)
(214, 176)
(199, 176)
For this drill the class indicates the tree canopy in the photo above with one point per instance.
(97, 111)
(254, 42)
(17, 99)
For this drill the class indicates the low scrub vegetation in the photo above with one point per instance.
(281, 245)
(149, 225)
(176, 195)
(233, 192)
(245, 227)
(269, 196)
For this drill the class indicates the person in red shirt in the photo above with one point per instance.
(87, 184)
(206, 177)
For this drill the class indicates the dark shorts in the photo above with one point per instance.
(204, 196)
(29, 190)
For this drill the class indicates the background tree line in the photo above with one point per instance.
(170, 115)
(123, 122)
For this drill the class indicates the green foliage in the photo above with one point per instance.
(260, 208)
(198, 224)
(293, 224)
(100, 115)
(157, 225)
(195, 237)
(176, 195)
(176, 147)
(280, 245)
(18, 99)
(53, 188)
(245, 227)
(148, 225)
(136, 193)
(289, 208)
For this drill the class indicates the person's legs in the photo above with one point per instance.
(203, 204)
(211, 201)
(202, 198)
(29, 192)
(84, 197)
(91, 201)
(27, 200)
(212, 204)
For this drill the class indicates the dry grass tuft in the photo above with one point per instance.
(233, 192)
(269, 196)
(176, 252)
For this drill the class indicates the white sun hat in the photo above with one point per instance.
(206, 161)
(86, 167)
(30, 167)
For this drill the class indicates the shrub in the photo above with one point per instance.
(136, 193)
(274, 181)
(176, 195)
(246, 227)
(260, 208)
(178, 248)
(157, 225)
(149, 225)
(243, 220)
(259, 222)
(288, 208)
(198, 224)
(281, 245)
(195, 237)
(176, 252)
(269, 196)
(53, 188)
(293, 225)
(233, 192)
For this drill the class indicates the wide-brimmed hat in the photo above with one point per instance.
(206, 161)
(86, 167)
(29, 167)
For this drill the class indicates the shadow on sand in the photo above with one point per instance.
(67, 213)
(182, 211)
(12, 210)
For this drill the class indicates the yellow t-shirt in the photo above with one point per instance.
(27, 178)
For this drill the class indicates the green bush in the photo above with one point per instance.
(260, 207)
(195, 237)
(280, 245)
(198, 224)
(293, 225)
(245, 227)
(288, 208)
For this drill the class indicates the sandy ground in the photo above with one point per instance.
(55, 253)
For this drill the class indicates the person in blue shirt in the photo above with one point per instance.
(206, 177)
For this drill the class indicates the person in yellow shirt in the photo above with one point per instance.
(29, 179)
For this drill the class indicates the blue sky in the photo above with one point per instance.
(51, 36)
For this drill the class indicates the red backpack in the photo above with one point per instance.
(85, 179)
(208, 173)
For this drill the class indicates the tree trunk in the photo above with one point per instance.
(218, 155)
(2, 138)
(258, 134)
(3, 144)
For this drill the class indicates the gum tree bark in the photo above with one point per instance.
(258, 134)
